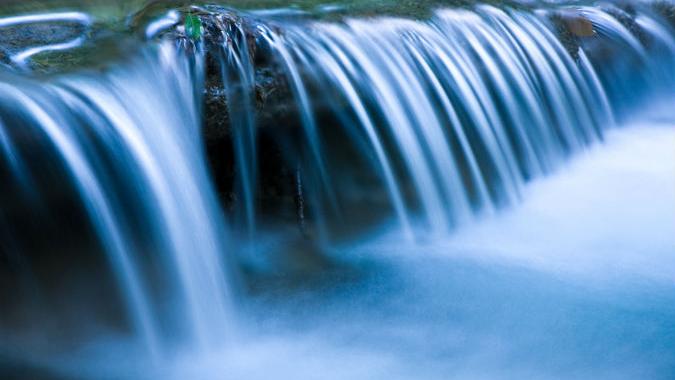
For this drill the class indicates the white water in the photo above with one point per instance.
(472, 104)
(164, 212)
(475, 107)
(576, 282)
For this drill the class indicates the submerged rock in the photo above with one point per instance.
(20, 37)
(26, 36)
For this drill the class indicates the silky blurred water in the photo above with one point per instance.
(575, 282)
(457, 119)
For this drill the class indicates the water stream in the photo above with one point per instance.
(512, 194)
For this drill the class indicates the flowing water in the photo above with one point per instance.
(133, 169)
(430, 128)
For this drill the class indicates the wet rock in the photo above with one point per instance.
(276, 117)
(571, 27)
(4, 57)
(20, 37)
(626, 17)
(665, 9)
(577, 24)
(16, 39)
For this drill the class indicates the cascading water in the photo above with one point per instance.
(646, 46)
(474, 103)
(128, 139)
(441, 121)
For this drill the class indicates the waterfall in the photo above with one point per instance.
(472, 103)
(645, 44)
(129, 141)
(451, 117)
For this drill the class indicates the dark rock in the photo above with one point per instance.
(626, 17)
(665, 9)
(570, 28)
(4, 57)
(20, 37)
